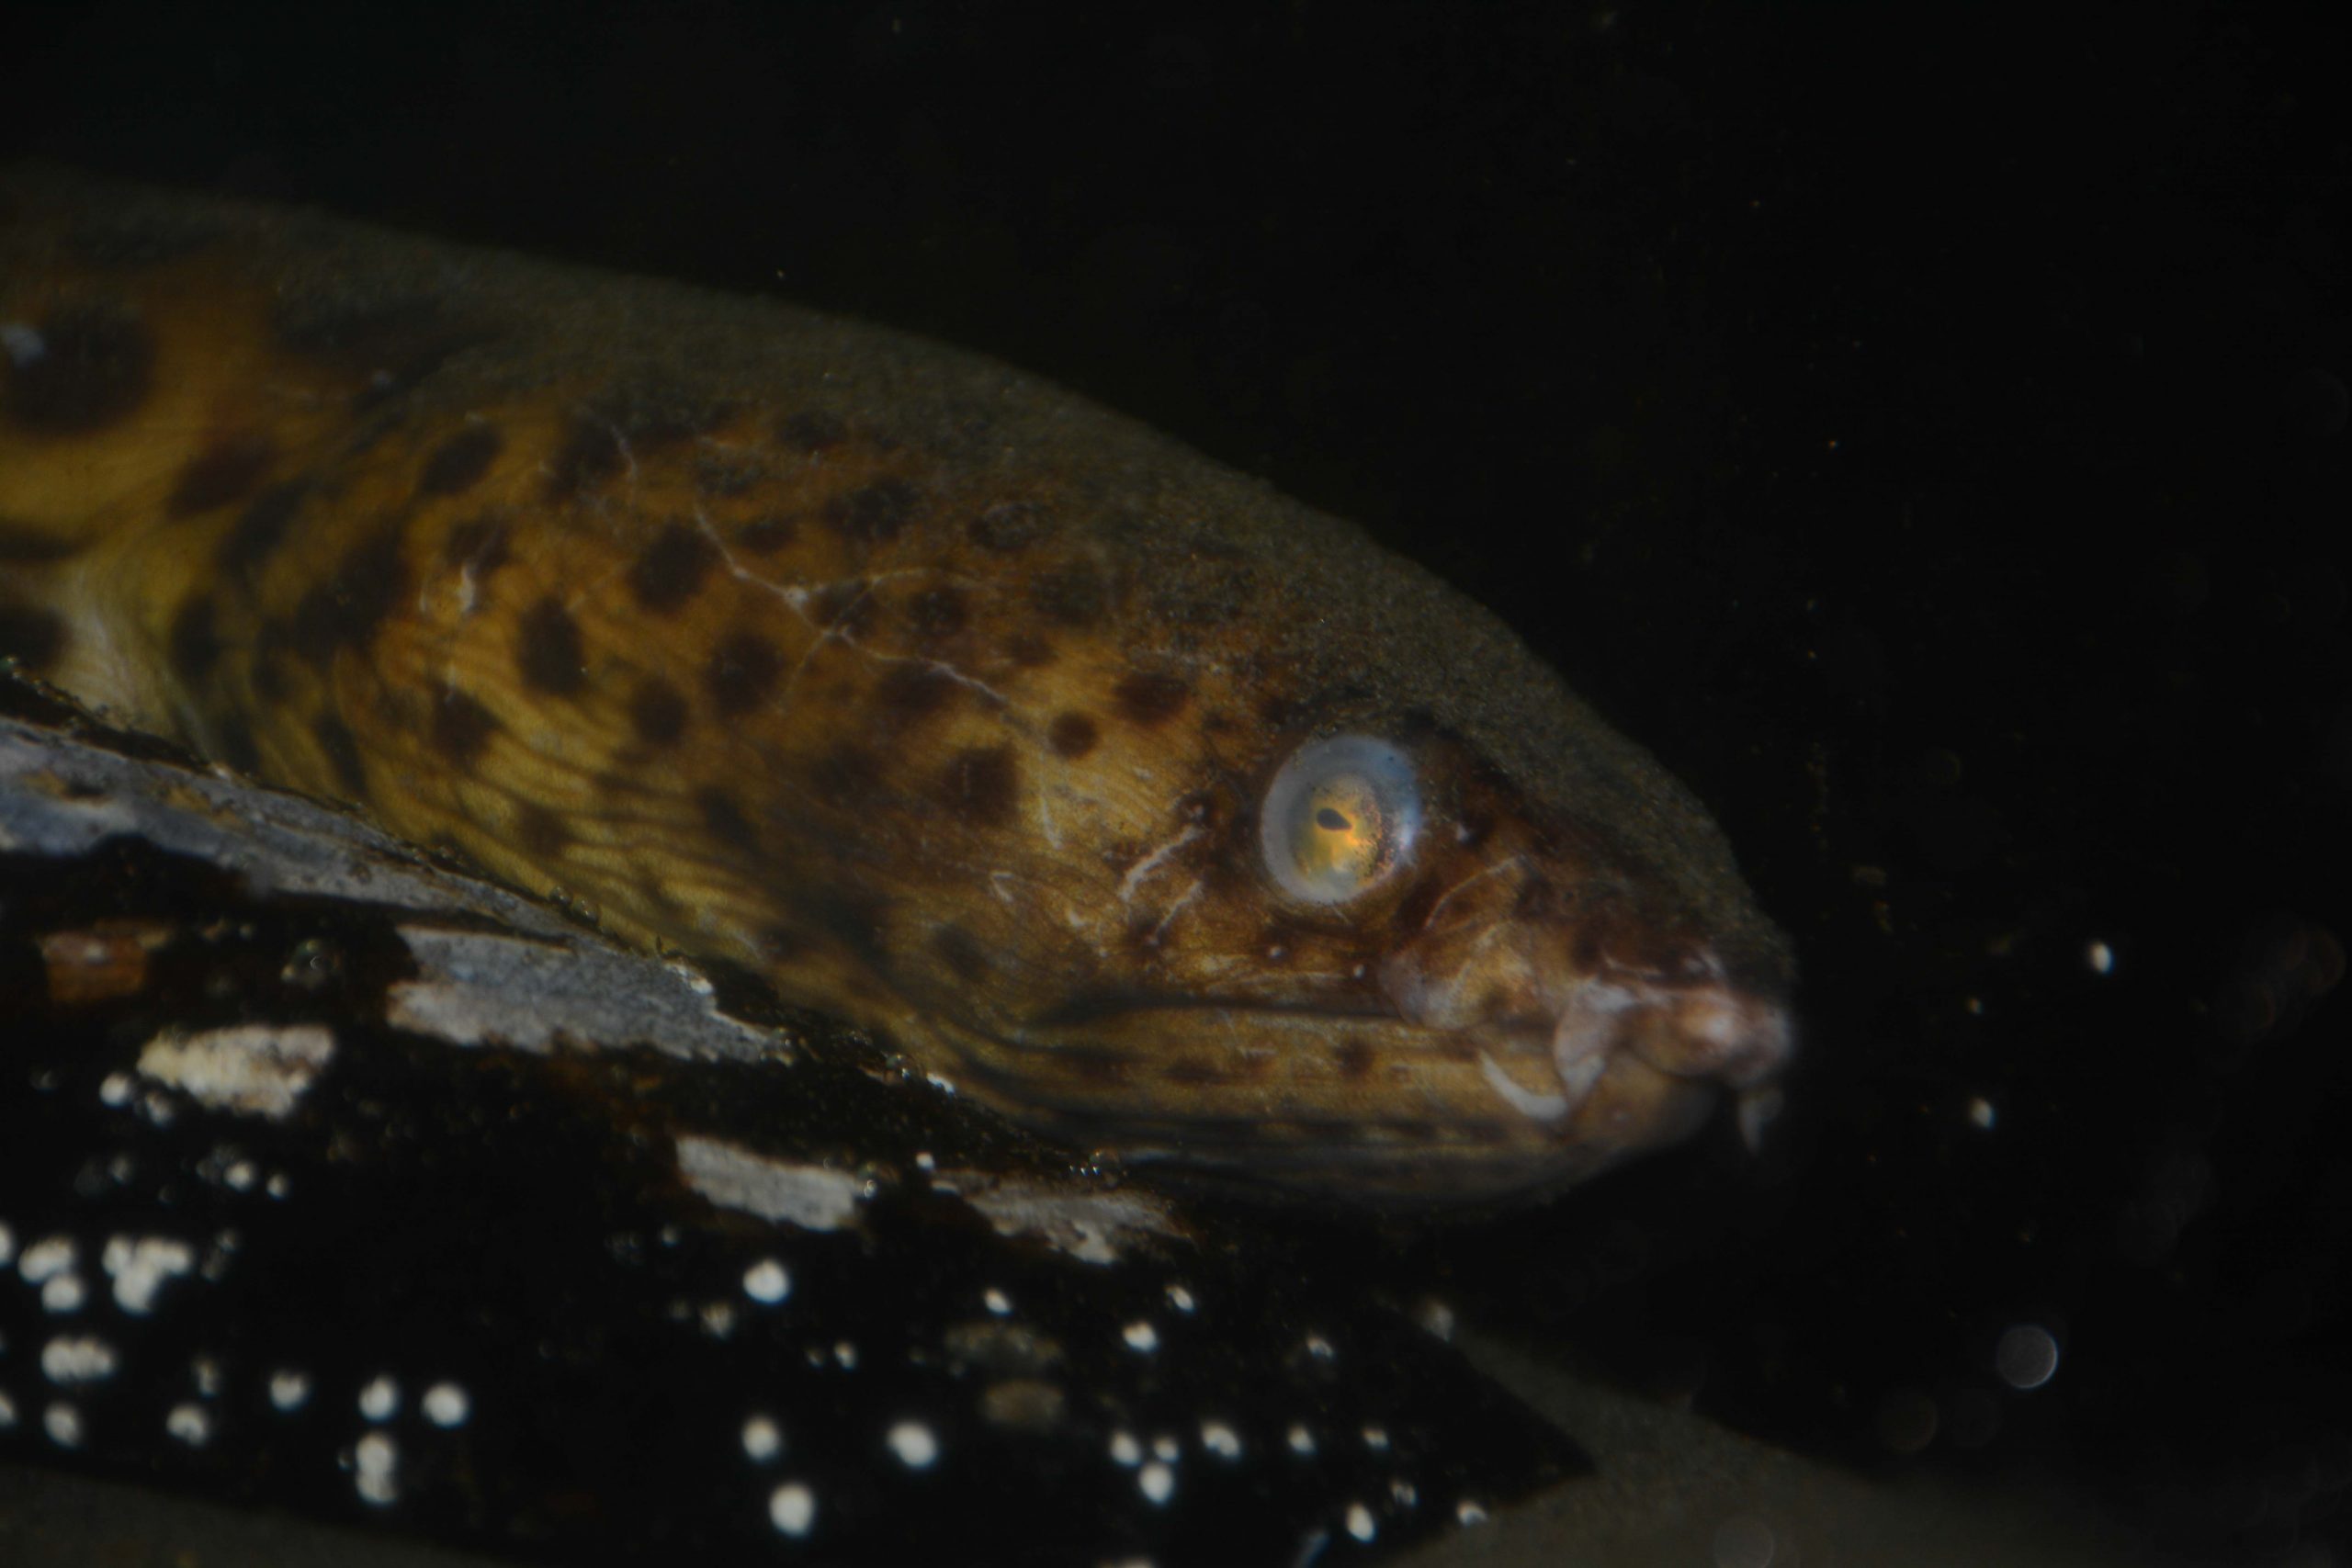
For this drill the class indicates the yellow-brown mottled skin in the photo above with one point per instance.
(939, 697)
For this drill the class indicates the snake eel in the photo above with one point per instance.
(1165, 817)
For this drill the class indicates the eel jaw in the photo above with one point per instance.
(1710, 1033)
(1638, 1059)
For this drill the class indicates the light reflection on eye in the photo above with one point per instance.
(1340, 817)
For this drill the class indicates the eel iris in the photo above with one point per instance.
(1165, 817)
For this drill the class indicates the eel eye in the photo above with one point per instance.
(1340, 817)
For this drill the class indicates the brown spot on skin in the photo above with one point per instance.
(1030, 652)
(590, 454)
(458, 463)
(907, 693)
(726, 822)
(1192, 1070)
(962, 953)
(1354, 1059)
(982, 785)
(859, 922)
(849, 608)
(94, 367)
(345, 610)
(31, 635)
(1071, 735)
(261, 524)
(341, 750)
(844, 776)
(658, 713)
(195, 643)
(224, 472)
(673, 568)
(767, 535)
(540, 832)
(873, 513)
(479, 546)
(547, 650)
(938, 614)
(743, 670)
(461, 727)
(1538, 900)
(1150, 699)
(1008, 527)
(812, 431)
(1070, 595)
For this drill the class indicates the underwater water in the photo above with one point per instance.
(1927, 435)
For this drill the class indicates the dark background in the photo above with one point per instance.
(1924, 426)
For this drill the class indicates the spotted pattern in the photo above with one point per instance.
(936, 700)
(672, 570)
(459, 463)
(548, 651)
(225, 472)
(744, 667)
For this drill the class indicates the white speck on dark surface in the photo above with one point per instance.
(791, 1191)
(380, 1400)
(49, 1257)
(767, 1281)
(62, 1422)
(80, 1358)
(375, 1463)
(915, 1443)
(763, 1438)
(1093, 1227)
(251, 1070)
(140, 1265)
(791, 1509)
(290, 1389)
(191, 1424)
(446, 1404)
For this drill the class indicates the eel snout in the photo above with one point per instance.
(1675, 1042)
(1587, 1058)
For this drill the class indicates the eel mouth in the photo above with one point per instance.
(1354, 1097)
(1708, 1032)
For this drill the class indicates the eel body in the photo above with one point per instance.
(1165, 817)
